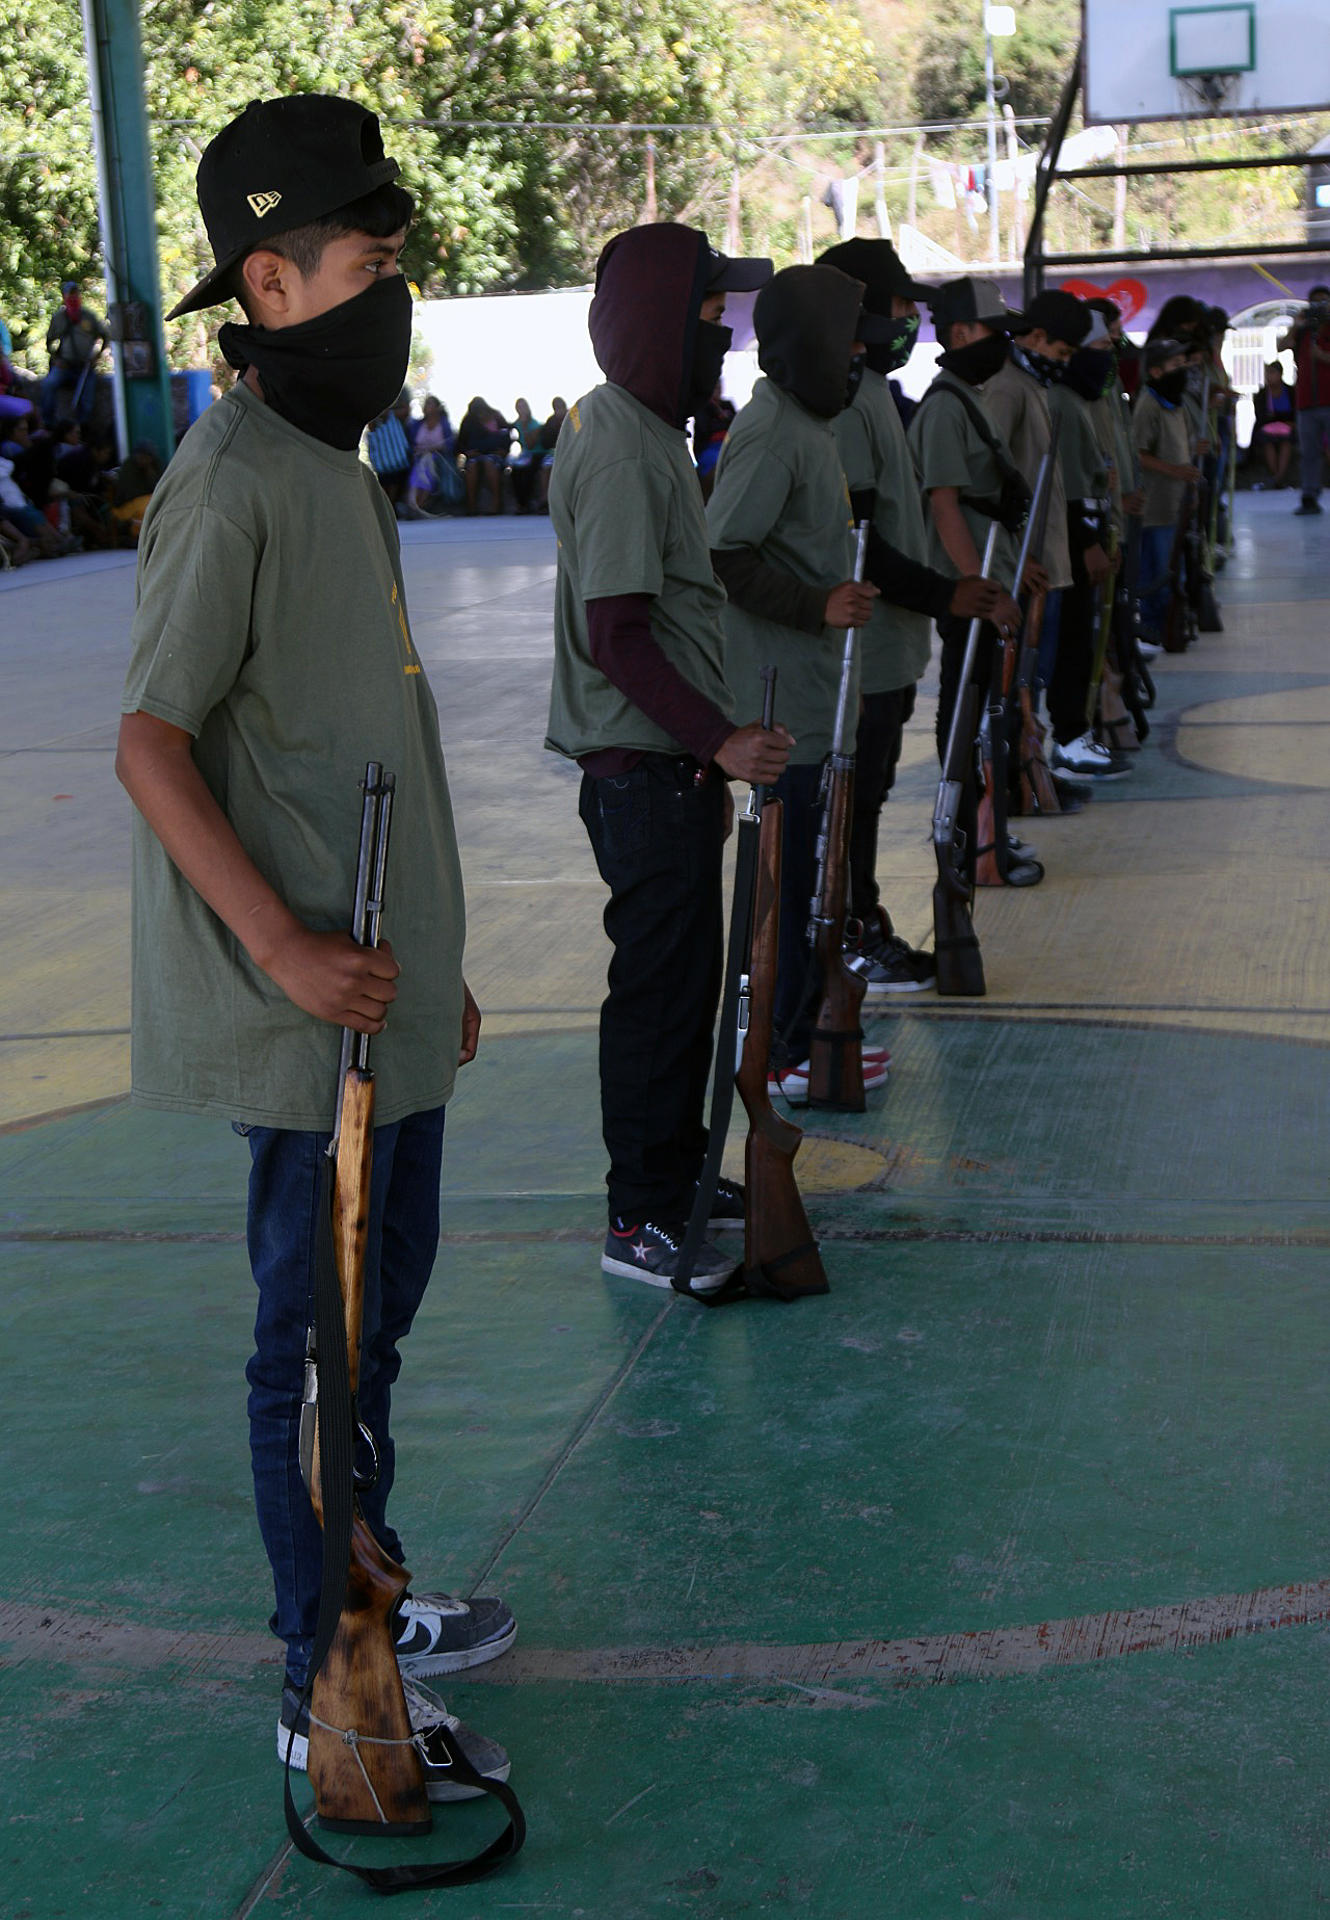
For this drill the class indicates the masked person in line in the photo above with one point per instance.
(782, 544)
(640, 701)
(272, 659)
(894, 646)
(1044, 340)
(1086, 465)
(1112, 417)
(1162, 436)
(969, 480)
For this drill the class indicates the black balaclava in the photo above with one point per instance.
(805, 320)
(711, 343)
(331, 375)
(979, 361)
(877, 264)
(1039, 366)
(1169, 386)
(1091, 372)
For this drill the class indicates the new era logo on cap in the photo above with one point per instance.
(262, 203)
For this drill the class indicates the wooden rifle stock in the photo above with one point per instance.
(780, 1253)
(960, 965)
(836, 1061)
(1039, 792)
(363, 1764)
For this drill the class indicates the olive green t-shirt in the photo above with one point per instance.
(1164, 432)
(1020, 409)
(271, 625)
(1112, 425)
(948, 450)
(1083, 461)
(626, 507)
(780, 489)
(894, 646)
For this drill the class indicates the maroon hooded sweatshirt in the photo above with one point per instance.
(650, 284)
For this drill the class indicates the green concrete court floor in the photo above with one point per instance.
(994, 1583)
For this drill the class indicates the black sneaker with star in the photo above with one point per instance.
(650, 1252)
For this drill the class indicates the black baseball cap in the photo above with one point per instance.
(880, 267)
(279, 165)
(730, 275)
(971, 299)
(1157, 351)
(1061, 315)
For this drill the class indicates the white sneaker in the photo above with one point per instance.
(791, 1085)
(1086, 759)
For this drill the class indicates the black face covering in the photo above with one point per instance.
(1038, 365)
(331, 375)
(1090, 372)
(887, 355)
(979, 361)
(854, 378)
(711, 343)
(1170, 386)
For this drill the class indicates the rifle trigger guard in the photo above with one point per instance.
(363, 1479)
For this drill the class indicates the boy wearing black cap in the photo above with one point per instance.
(639, 699)
(782, 544)
(895, 644)
(272, 659)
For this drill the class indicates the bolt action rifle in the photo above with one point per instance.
(364, 1759)
(780, 1255)
(1038, 790)
(992, 853)
(836, 1063)
(960, 965)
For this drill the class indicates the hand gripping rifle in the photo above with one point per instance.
(991, 856)
(780, 1255)
(960, 965)
(836, 1071)
(364, 1761)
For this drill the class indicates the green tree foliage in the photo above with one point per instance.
(949, 76)
(500, 206)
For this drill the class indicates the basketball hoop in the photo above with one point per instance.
(1210, 92)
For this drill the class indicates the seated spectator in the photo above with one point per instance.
(22, 517)
(525, 459)
(711, 423)
(435, 484)
(133, 489)
(1274, 430)
(549, 439)
(13, 404)
(483, 439)
(390, 456)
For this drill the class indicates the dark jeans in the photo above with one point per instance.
(798, 977)
(1156, 557)
(953, 632)
(882, 720)
(657, 837)
(284, 1184)
(1313, 434)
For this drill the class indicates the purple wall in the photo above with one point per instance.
(1141, 289)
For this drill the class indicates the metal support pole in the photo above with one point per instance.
(1045, 175)
(128, 224)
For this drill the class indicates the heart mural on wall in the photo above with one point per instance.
(1129, 295)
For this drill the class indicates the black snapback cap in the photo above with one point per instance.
(972, 300)
(279, 165)
(728, 273)
(1061, 315)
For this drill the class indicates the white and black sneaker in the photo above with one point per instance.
(438, 1633)
(892, 966)
(427, 1715)
(1085, 759)
(650, 1252)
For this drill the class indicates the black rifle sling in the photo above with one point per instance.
(722, 1086)
(336, 1465)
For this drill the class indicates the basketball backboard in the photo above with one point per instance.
(1172, 59)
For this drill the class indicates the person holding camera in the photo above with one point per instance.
(1309, 341)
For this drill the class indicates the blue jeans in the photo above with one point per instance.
(1156, 555)
(284, 1184)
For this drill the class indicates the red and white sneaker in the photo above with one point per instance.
(791, 1085)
